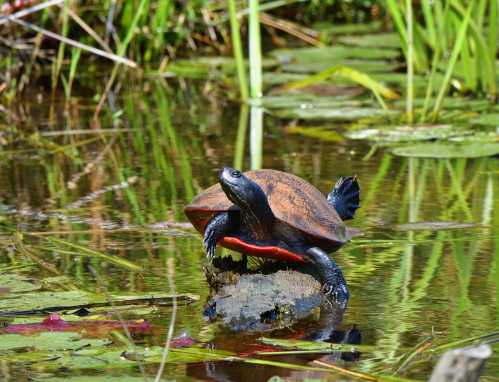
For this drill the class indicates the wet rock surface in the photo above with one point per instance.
(249, 300)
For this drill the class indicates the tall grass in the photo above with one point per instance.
(238, 50)
(255, 50)
(456, 37)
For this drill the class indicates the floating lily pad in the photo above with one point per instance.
(372, 41)
(14, 283)
(371, 66)
(100, 358)
(303, 101)
(314, 345)
(42, 302)
(487, 119)
(478, 136)
(331, 55)
(336, 114)
(324, 134)
(48, 341)
(448, 150)
(100, 378)
(434, 226)
(335, 29)
(206, 67)
(407, 133)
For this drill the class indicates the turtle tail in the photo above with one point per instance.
(345, 197)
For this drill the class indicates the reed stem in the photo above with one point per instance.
(238, 50)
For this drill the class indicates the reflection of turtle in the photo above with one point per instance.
(278, 215)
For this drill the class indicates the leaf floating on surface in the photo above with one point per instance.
(14, 283)
(407, 133)
(487, 119)
(448, 150)
(314, 345)
(434, 226)
(324, 134)
(351, 74)
(375, 40)
(45, 302)
(48, 341)
(338, 114)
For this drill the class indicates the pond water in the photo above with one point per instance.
(122, 193)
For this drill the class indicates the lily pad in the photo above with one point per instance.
(407, 133)
(100, 378)
(448, 150)
(387, 40)
(370, 67)
(99, 358)
(335, 29)
(478, 136)
(303, 101)
(487, 119)
(434, 226)
(14, 283)
(48, 341)
(314, 345)
(331, 55)
(328, 114)
(324, 134)
(42, 302)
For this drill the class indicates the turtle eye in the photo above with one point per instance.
(236, 173)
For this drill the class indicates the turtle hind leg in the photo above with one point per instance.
(334, 283)
(218, 227)
(345, 197)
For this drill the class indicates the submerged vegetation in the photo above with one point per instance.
(115, 114)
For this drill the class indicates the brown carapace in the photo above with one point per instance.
(292, 200)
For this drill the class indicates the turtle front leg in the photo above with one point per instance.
(334, 283)
(218, 227)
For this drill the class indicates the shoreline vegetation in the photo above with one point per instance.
(168, 38)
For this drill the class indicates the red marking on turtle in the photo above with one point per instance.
(273, 252)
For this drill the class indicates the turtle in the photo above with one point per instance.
(275, 214)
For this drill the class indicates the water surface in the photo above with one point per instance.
(123, 192)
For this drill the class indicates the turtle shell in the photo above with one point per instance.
(293, 201)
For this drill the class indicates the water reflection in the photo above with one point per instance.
(405, 285)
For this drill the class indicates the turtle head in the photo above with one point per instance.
(246, 194)
(240, 190)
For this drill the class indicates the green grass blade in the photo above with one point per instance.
(429, 23)
(354, 75)
(492, 45)
(238, 50)
(410, 63)
(452, 62)
(255, 50)
(90, 252)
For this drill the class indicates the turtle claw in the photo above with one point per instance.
(337, 293)
(210, 244)
(327, 289)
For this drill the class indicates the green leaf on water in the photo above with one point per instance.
(100, 378)
(407, 133)
(40, 302)
(310, 101)
(314, 345)
(85, 251)
(448, 150)
(372, 41)
(487, 119)
(50, 341)
(371, 66)
(321, 133)
(331, 55)
(358, 77)
(332, 114)
(14, 283)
